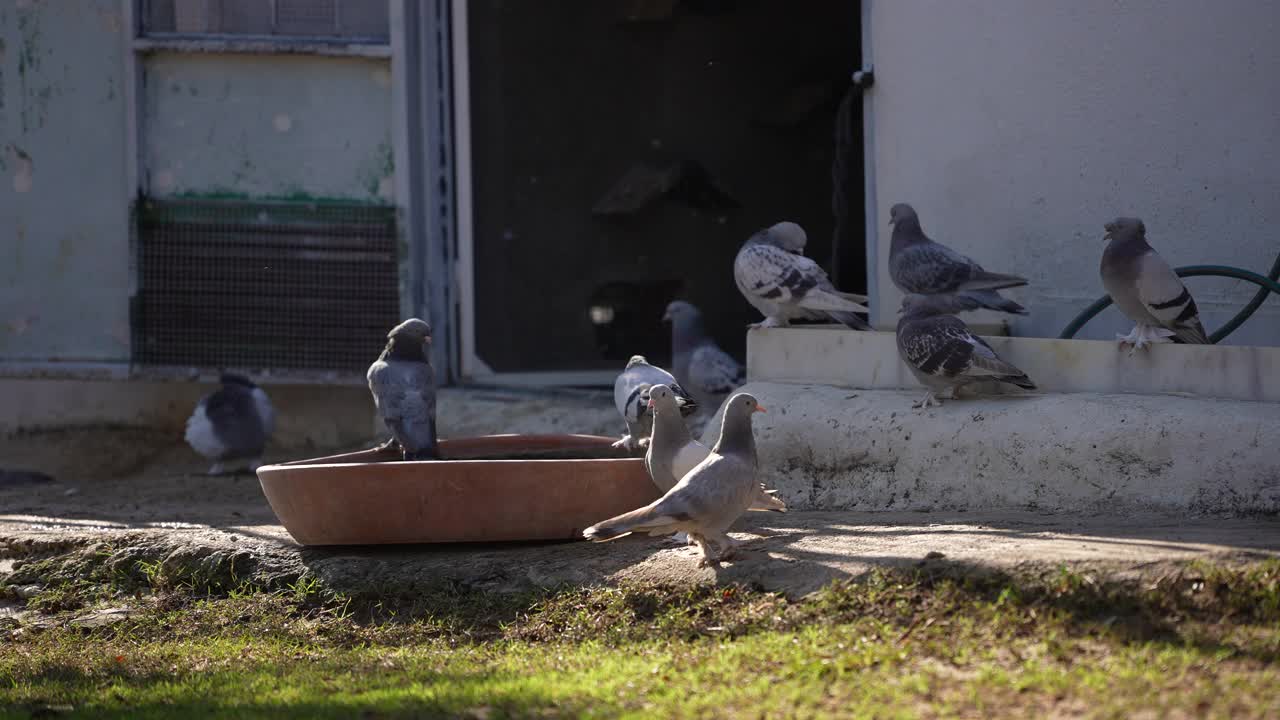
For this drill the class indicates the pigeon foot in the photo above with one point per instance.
(626, 443)
(929, 400)
(1143, 335)
(681, 539)
(769, 322)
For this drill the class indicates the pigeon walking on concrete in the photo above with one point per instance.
(1146, 289)
(920, 265)
(778, 280)
(708, 499)
(697, 362)
(403, 384)
(944, 354)
(673, 451)
(231, 425)
(631, 397)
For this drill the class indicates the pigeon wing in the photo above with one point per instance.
(714, 372)
(1167, 300)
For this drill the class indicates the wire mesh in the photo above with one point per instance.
(277, 286)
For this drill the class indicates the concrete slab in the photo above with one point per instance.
(828, 448)
(794, 553)
(836, 356)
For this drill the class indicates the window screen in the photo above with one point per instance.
(281, 286)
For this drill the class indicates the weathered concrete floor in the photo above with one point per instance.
(795, 553)
(151, 504)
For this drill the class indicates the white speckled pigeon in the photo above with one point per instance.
(697, 362)
(673, 451)
(784, 285)
(1146, 289)
(708, 499)
(920, 265)
(231, 425)
(943, 354)
(403, 384)
(631, 397)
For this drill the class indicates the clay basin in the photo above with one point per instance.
(488, 488)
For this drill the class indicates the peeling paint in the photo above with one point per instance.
(165, 180)
(23, 168)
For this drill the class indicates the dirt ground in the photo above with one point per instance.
(139, 494)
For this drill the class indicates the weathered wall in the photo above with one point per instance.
(64, 242)
(1018, 128)
(268, 126)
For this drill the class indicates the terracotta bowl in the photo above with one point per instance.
(557, 486)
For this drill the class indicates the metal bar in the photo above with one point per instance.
(264, 45)
(877, 314)
(439, 179)
(470, 363)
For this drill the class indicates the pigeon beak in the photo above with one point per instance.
(649, 404)
(759, 408)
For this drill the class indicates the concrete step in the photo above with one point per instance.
(831, 448)
(837, 356)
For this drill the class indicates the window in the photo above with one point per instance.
(344, 21)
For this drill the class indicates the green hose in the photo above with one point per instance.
(1266, 286)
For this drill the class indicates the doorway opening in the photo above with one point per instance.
(622, 151)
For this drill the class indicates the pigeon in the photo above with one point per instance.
(673, 451)
(1146, 289)
(230, 426)
(920, 265)
(944, 354)
(631, 397)
(773, 274)
(708, 499)
(403, 384)
(697, 362)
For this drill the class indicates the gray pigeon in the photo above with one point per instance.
(697, 362)
(708, 499)
(631, 397)
(920, 265)
(673, 451)
(773, 274)
(1146, 289)
(231, 425)
(943, 354)
(403, 384)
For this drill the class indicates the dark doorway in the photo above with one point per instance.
(623, 150)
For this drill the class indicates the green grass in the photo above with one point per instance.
(1201, 642)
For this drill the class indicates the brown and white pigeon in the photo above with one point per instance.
(697, 362)
(631, 398)
(920, 265)
(1146, 289)
(403, 384)
(673, 451)
(231, 425)
(773, 274)
(944, 354)
(708, 499)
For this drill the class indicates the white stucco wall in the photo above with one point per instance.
(1018, 128)
(64, 207)
(257, 126)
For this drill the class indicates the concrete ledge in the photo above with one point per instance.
(316, 415)
(870, 360)
(827, 448)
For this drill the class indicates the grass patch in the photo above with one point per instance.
(1201, 641)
